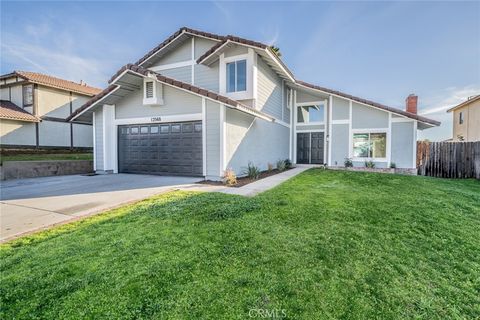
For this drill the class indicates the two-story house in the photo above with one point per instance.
(200, 103)
(34, 108)
(466, 120)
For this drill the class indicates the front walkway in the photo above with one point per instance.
(265, 184)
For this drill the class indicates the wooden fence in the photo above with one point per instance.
(449, 159)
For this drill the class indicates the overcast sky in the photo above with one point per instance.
(381, 51)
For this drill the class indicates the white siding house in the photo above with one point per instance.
(201, 103)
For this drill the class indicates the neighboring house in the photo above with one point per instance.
(34, 108)
(200, 103)
(466, 120)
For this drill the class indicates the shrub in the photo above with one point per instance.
(393, 165)
(253, 172)
(288, 164)
(269, 167)
(281, 165)
(229, 177)
(348, 163)
(369, 164)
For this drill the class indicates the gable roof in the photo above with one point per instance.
(54, 82)
(173, 37)
(464, 103)
(10, 111)
(172, 82)
(371, 103)
(266, 50)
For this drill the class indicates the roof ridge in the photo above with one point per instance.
(55, 77)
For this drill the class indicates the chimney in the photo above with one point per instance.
(411, 103)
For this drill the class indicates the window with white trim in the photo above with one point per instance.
(236, 74)
(370, 145)
(27, 95)
(311, 114)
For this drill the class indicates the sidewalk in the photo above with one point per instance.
(265, 184)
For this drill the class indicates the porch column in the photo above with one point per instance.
(109, 139)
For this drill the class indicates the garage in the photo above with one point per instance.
(162, 149)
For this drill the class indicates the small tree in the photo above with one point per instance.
(276, 50)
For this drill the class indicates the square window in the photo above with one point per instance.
(187, 128)
(134, 130)
(175, 128)
(143, 129)
(154, 129)
(28, 95)
(198, 127)
(313, 113)
(165, 129)
(236, 76)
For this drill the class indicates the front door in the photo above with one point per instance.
(310, 147)
(317, 147)
(303, 147)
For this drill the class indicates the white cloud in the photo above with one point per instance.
(436, 106)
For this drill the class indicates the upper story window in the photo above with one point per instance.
(460, 118)
(28, 95)
(237, 76)
(311, 114)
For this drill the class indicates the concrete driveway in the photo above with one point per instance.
(28, 205)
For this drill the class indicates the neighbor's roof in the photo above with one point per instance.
(54, 82)
(464, 103)
(371, 103)
(169, 81)
(10, 111)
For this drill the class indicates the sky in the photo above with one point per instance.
(381, 51)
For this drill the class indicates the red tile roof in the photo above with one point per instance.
(10, 111)
(173, 36)
(54, 82)
(170, 81)
(371, 103)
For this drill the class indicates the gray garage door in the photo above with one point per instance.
(164, 149)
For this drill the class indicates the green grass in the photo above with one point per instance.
(47, 156)
(326, 244)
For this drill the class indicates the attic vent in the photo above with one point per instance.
(149, 89)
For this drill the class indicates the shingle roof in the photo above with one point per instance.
(9, 110)
(170, 81)
(50, 81)
(173, 36)
(372, 103)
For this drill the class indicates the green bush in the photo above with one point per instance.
(348, 163)
(252, 171)
(393, 165)
(369, 164)
(281, 166)
(288, 164)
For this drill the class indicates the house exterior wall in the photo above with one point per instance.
(17, 133)
(183, 74)
(368, 118)
(213, 140)
(181, 53)
(269, 90)
(253, 140)
(98, 138)
(53, 103)
(207, 77)
(470, 128)
(340, 144)
(403, 138)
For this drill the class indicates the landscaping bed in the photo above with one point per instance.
(242, 181)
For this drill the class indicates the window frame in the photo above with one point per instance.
(369, 132)
(461, 118)
(23, 95)
(251, 80)
(227, 80)
(308, 104)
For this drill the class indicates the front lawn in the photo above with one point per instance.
(326, 244)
